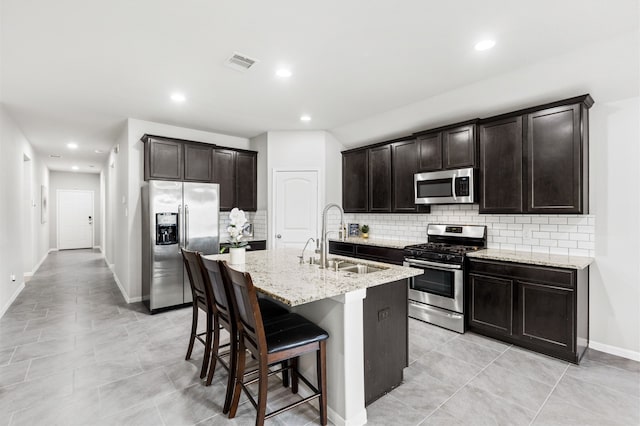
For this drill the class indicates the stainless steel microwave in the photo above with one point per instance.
(445, 187)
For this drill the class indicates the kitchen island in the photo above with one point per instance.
(334, 300)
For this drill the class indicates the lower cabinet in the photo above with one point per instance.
(541, 308)
(386, 330)
(369, 252)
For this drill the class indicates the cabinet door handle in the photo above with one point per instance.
(278, 236)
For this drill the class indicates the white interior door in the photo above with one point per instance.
(296, 207)
(75, 219)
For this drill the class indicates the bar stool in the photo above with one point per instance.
(281, 339)
(224, 318)
(203, 299)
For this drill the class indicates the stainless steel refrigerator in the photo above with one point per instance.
(175, 215)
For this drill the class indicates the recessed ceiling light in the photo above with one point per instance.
(485, 44)
(72, 145)
(305, 118)
(99, 151)
(178, 97)
(75, 167)
(284, 73)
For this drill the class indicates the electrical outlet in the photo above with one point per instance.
(12, 277)
(383, 314)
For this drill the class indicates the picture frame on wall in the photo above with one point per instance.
(44, 207)
(354, 229)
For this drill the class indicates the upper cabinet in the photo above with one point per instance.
(198, 163)
(247, 180)
(501, 179)
(234, 170)
(237, 174)
(163, 158)
(536, 160)
(379, 179)
(355, 177)
(451, 147)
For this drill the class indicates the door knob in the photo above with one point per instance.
(278, 236)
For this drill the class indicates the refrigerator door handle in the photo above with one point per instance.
(180, 233)
(186, 225)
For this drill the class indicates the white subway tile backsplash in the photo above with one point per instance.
(567, 228)
(578, 237)
(578, 252)
(556, 234)
(567, 244)
(558, 220)
(540, 219)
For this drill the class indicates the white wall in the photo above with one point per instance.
(615, 201)
(78, 181)
(13, 147)
(305, 150)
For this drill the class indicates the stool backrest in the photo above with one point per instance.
(221, 290)
(247, 309)
(201, 291)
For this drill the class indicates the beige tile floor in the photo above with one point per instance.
(72, 352)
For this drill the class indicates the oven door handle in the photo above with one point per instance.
(444, 266)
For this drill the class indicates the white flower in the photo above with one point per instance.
(237, 219)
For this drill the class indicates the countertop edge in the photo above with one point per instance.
(530, 258)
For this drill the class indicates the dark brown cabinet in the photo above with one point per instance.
(380, 179)
(369, 252)
(386, 330)
(234, 170)
(224, 173)
(163, 159)
(557, 160)
(404, 156)
(491, 304)
(500, 176)
(451, 147)
(247, 180)
(459, 147)
(198, 163)
(430, 152)
(355, 178)
(536, 160)
(541, 308)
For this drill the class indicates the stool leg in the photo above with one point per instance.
(294, 374)
(194, 330)
(321, 358)
(285, 373)
(263, 385)
(214, 349)
(237, 388)
(233, 365)
(207, 345)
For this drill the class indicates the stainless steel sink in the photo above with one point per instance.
(360, 269)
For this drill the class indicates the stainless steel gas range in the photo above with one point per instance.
(437, 296)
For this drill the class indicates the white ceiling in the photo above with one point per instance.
(76, 69)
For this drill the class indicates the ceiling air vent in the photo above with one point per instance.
(240, 62)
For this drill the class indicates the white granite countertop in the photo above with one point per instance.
(279, 274)
(556, 260)
(380, 242)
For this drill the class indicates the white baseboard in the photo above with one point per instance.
(39, 264)
(12, 299)
(53, 249)
(124, 293)
(614, 350)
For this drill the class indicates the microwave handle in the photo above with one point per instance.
(453, 186)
